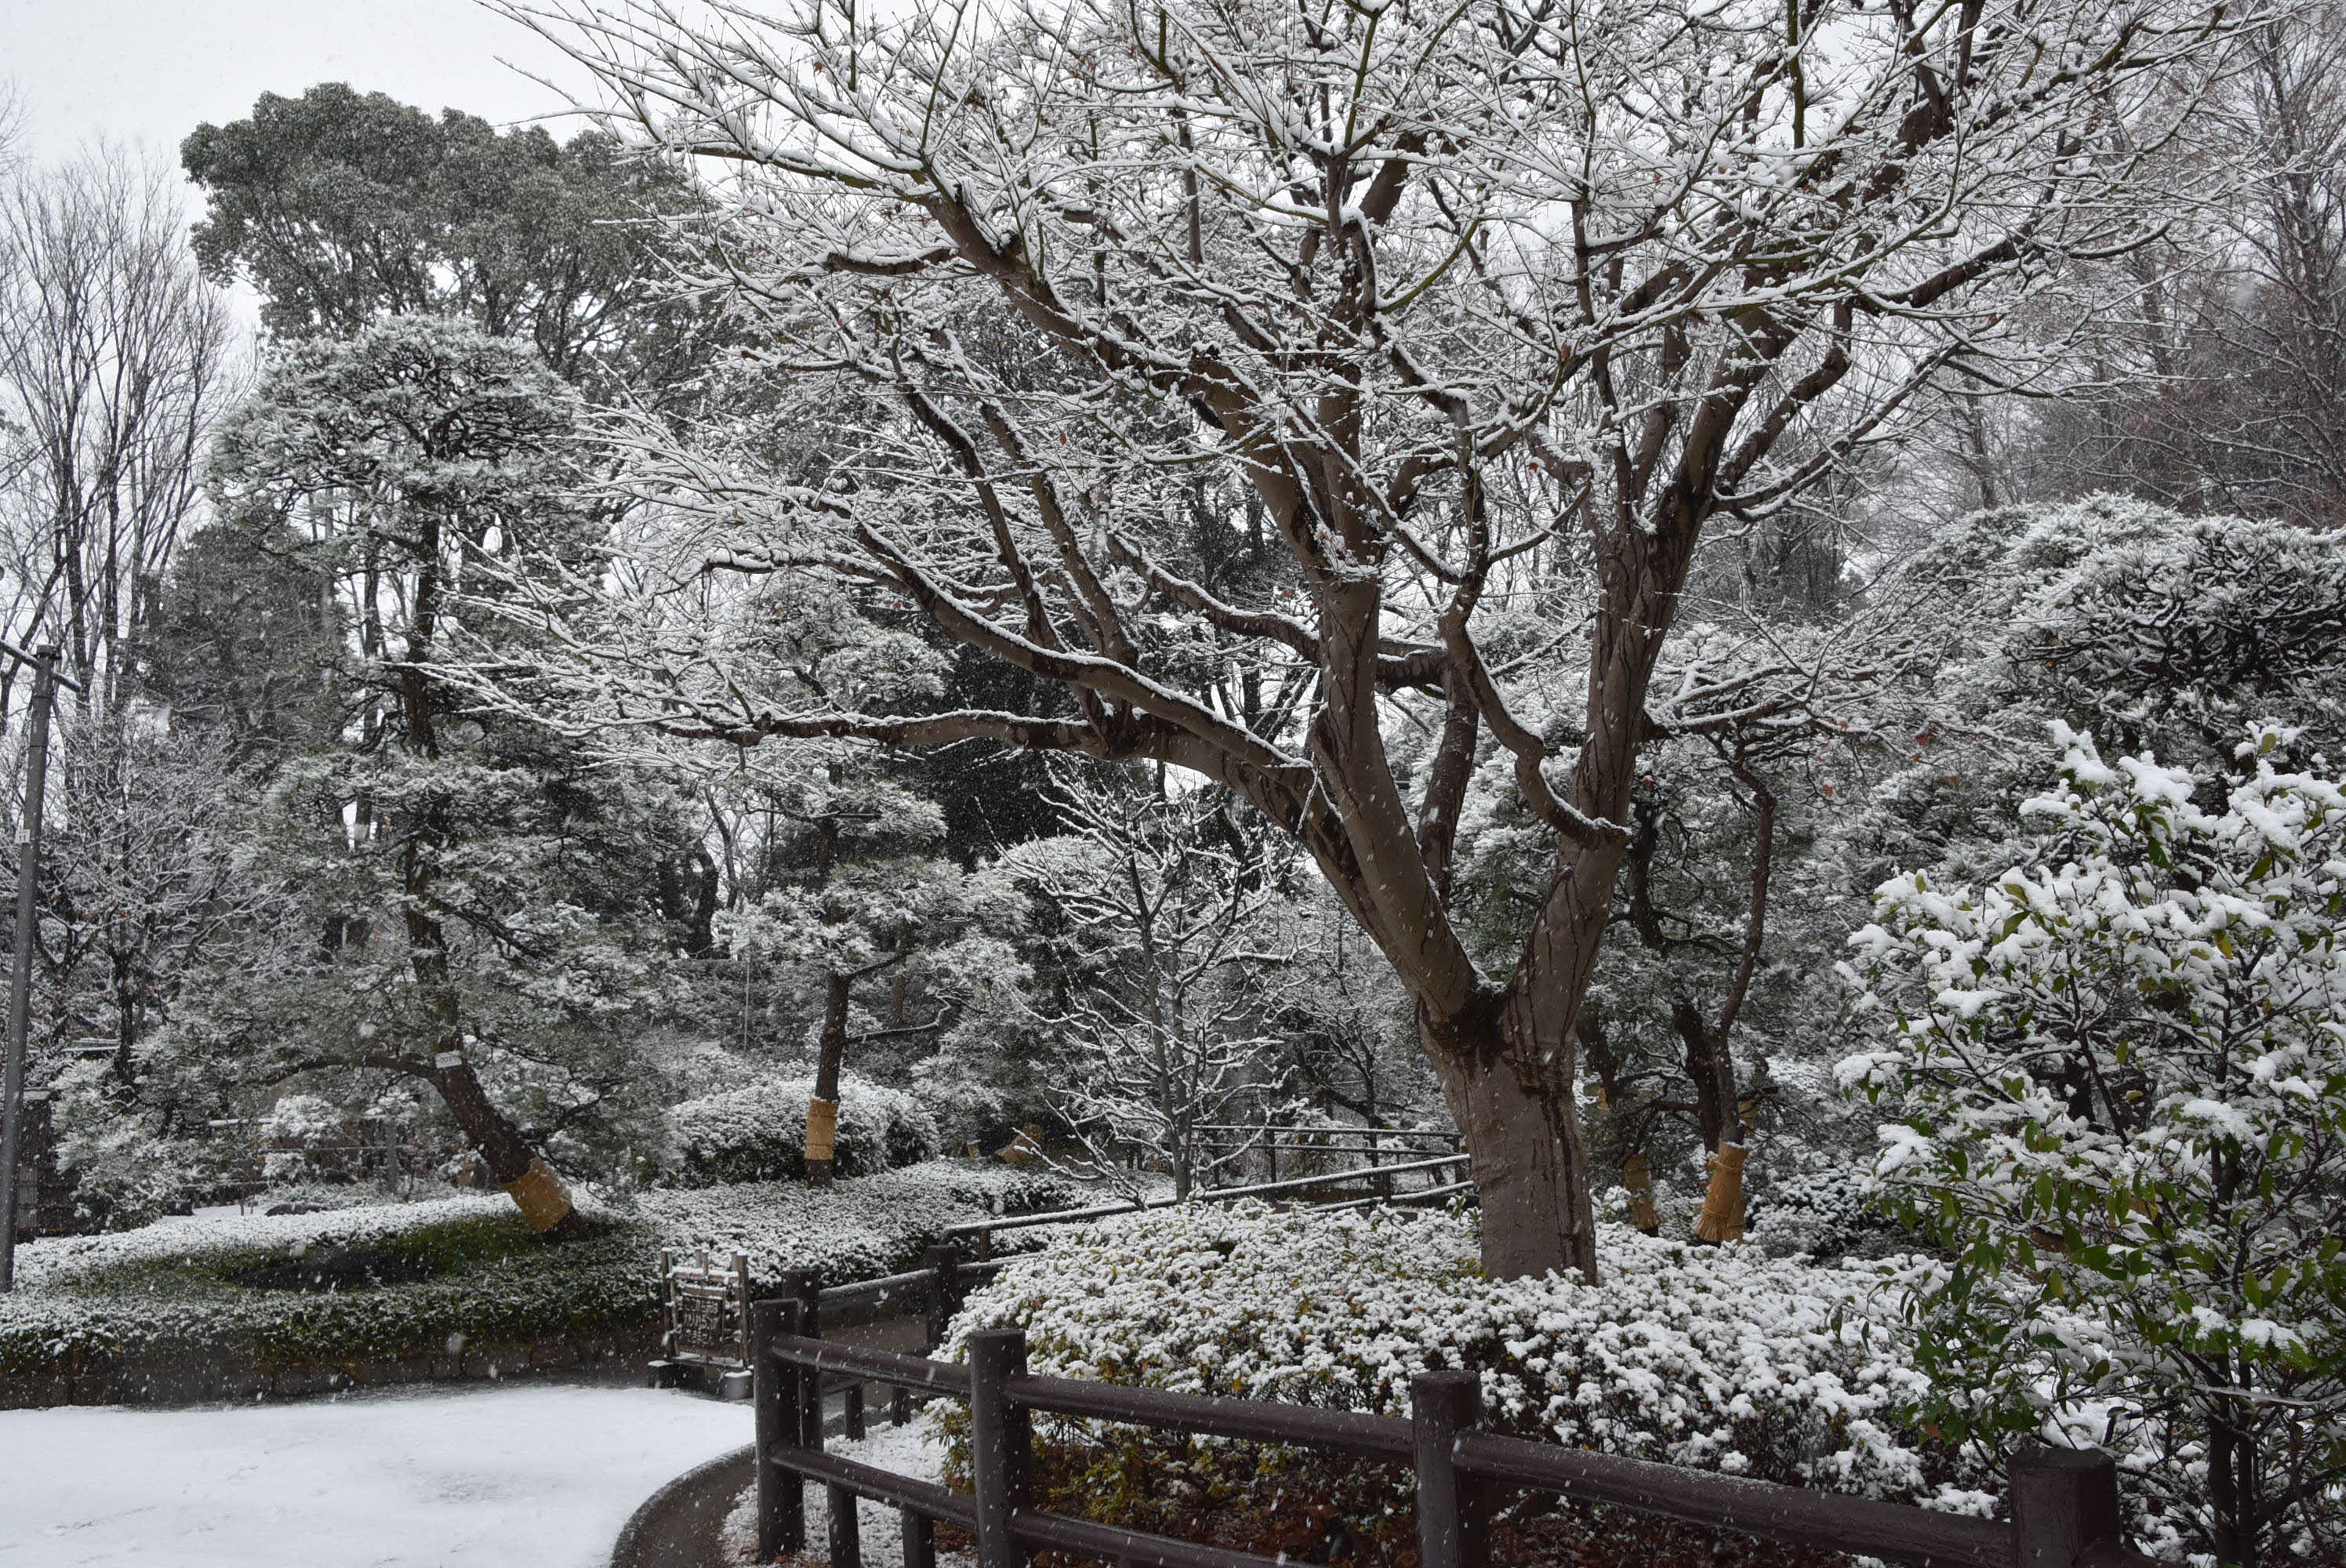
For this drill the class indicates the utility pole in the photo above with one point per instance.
(45, 680)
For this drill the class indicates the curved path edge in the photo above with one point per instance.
(679, 1525)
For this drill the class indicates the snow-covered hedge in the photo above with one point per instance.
(172, 1290)
(1720, 1358)
(758, 1133)
(1824, 1214)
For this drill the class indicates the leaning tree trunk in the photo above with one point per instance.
(512, 1164)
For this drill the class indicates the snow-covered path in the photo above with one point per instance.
(528, 1476)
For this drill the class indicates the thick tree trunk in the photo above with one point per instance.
(823, 1108)
(1523, 1135)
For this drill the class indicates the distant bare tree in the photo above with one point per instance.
(2222, 386)
(115, 359)
(1172, 902)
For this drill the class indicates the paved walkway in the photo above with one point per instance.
(528, 1476)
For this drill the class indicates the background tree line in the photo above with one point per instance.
(603, 645)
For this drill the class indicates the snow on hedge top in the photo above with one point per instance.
(175, 1289)
(854, 1231)
(856, 1228)
(62, 1259)
(1720, 1357)
(758, 1132)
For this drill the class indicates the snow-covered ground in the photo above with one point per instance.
(519, 1477)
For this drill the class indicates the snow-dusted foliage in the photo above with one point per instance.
(1091, 303)
(1821, 1213)
(293, 1131)
(1171, 923)
(2119, 1071)
(758, 1132)
(2148, 626)
(126, 1171)
(459, 1269)
(1720, 1358)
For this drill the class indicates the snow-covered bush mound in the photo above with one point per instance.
(1720, 1357)
(1824, 1214)
(417, 1278)
(223, 1243)
(758, 1133)
(858, 1230)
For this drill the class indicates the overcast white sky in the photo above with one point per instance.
(149, 71)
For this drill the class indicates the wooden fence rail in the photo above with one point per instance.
(1380, 1176)
(2063, 1502)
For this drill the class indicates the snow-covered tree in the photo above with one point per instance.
(2154, 630)
(872, 941)
(2119, 1073)
(1180, 951)
(446, 853)
(1699, 982)
(1438, 302)
(116, 361)
(338, 206)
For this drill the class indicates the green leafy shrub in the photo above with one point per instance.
(2119, 1072)
(758, 1133)
(458, 1270)
(1720, 1357)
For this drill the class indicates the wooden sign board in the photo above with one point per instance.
(705, 1311)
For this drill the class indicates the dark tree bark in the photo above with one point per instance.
(823, 1108)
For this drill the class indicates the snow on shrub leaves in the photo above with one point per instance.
(171, 1289)
(2118, 1070)
(1719, 1358)
(758, 1133)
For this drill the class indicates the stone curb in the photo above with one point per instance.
(677, 1526)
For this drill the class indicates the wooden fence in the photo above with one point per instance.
(2063, 1502)
(1380, 1177)
(1305, 1146)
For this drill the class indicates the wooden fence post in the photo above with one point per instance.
(2064, 1499)
(944, 1292)
(845, 1539)
(667, 1302)
(1001, 1444)
(781, 1499)
(920, 1540)
(804, 1286)
(1453, 1516)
